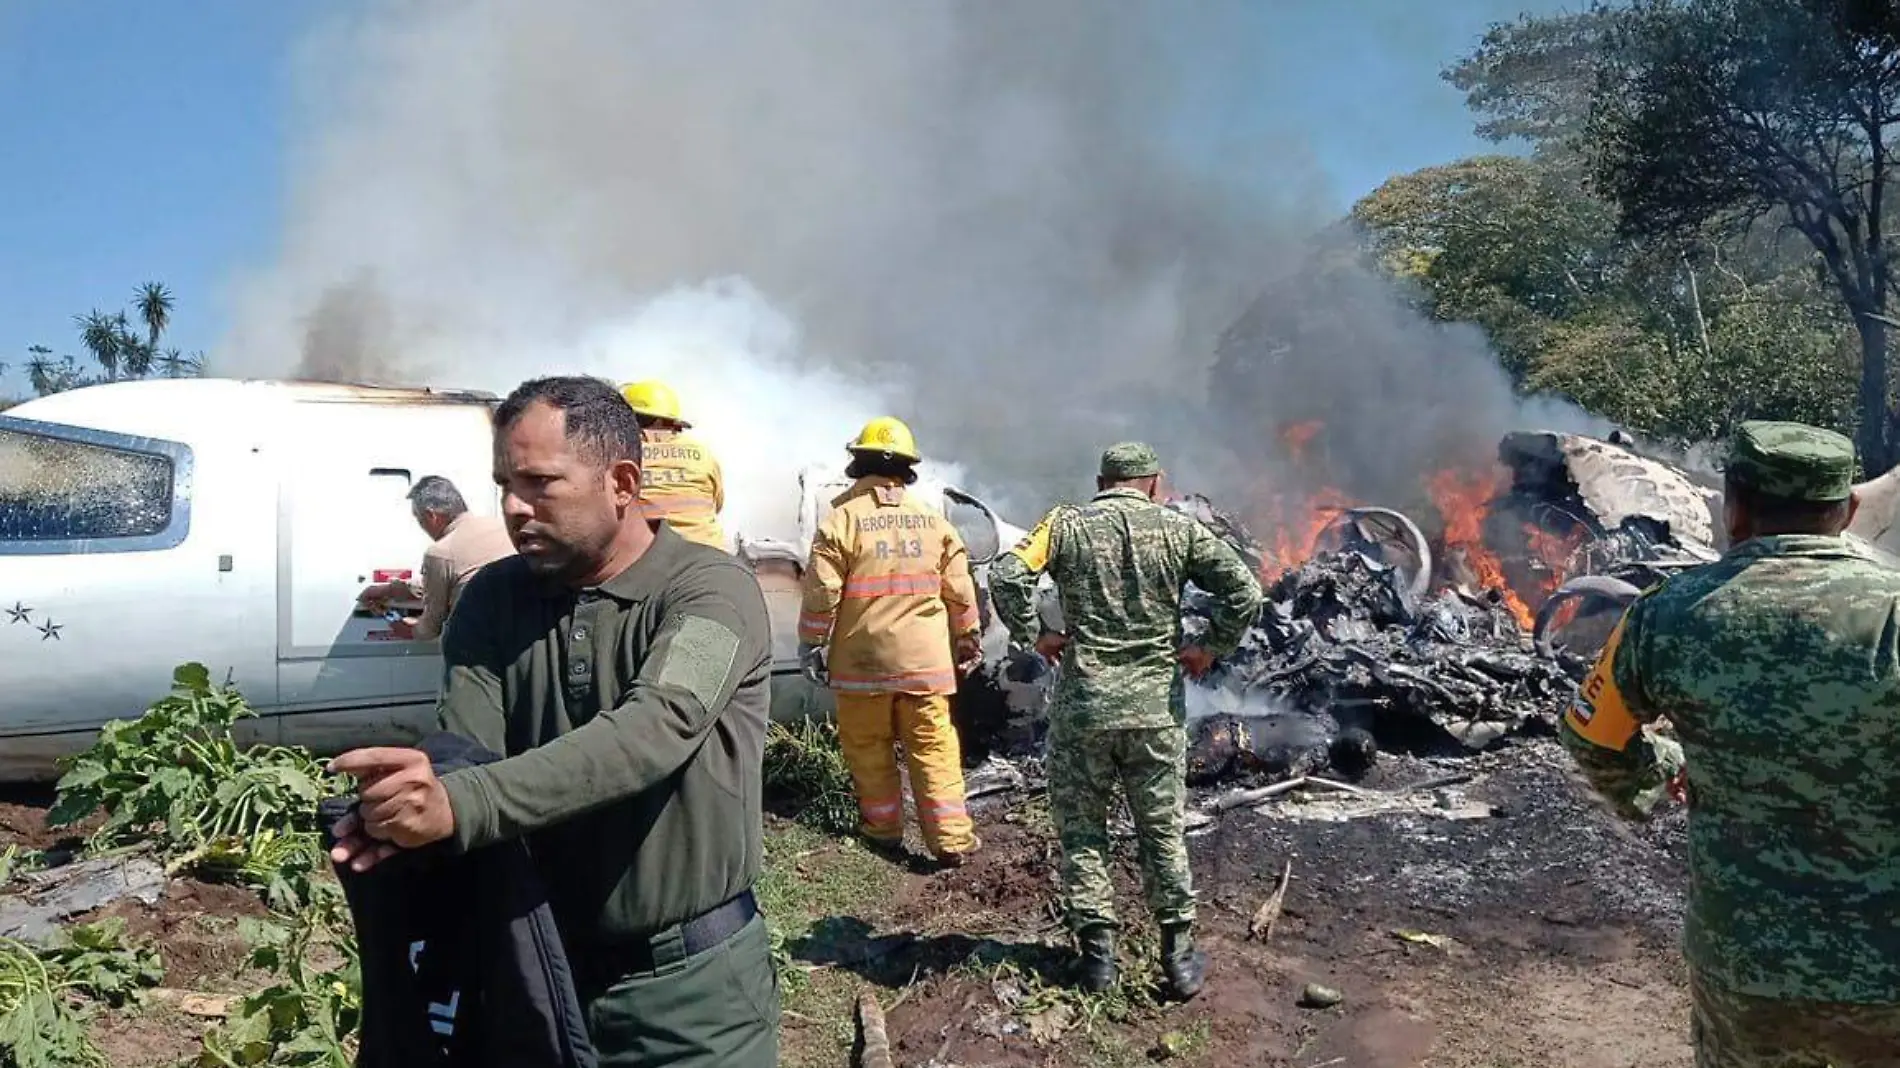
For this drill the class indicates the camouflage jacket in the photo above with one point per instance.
(1779, 668)
(1119, 564)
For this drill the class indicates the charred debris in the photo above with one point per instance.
(1385, 639)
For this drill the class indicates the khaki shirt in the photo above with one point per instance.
(471, 542)
(632, 717)
(889, 585)
(680, 482)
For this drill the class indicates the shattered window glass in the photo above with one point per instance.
(53, 489)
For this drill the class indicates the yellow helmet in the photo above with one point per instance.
(885, 434)
(653, 399)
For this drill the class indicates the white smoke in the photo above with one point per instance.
(735, 362)
(970, 216)
(1020, 227)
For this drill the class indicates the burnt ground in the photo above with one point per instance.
(1554, 929)
(1557, 945)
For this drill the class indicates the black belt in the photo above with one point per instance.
(608, 963)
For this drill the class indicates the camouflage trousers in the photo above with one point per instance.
(1733, 1030)
(1149, 765)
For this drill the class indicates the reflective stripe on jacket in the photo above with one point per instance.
(680, 482)
(888, 587)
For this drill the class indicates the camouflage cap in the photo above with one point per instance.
(1792, 461)
(1130, 459)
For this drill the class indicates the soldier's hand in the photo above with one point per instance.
(1049, 645)
(1195, 660)
(401, 804)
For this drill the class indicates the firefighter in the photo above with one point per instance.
(889, 620)
(680, 477)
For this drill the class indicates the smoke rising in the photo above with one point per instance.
(979, 217)
(1398, 398)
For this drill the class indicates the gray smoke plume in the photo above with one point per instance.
(1334, 371)
(979, 217)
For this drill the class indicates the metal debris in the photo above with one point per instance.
(58, 894)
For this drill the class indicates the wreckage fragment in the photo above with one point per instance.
(1605, 487)
(1342, 662)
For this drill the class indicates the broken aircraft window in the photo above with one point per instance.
(57, 489)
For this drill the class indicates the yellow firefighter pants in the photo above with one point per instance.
(868, 725)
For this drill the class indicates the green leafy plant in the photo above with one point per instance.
(45, 993)
(805, 768)
(97, 958)
(176, 776)
(308, 1017)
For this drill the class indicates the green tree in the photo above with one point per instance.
(1532, 79)
(1679, 337)
(116, 348)
(1729, 112)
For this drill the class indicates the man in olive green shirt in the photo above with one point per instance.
(623, 671)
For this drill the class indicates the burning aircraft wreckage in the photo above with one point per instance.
(1433, 635)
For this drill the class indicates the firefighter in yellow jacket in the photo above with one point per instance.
(889, 621)
(680, 480)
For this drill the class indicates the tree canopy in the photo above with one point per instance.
(1699, 230)
(116, 347)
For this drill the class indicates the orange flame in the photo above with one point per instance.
(1463, 502)
(1299, 435)
(1554, 552)
(1294, 527)
(1292, 524)
(1289, 524)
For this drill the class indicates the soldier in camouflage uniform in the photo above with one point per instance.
(1779, 668)
(1119, 563)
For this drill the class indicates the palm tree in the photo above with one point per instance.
(135, 354)
(154, 303)
(100, 334)
(178, 365)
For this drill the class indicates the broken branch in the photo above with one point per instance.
(1248, 797)
(874, 1041)
(1345, 788)
(1269, 914)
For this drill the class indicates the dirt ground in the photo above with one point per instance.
(1553, 939)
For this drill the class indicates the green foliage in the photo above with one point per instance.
(805, 767)
(96, 958)
(1710, 130)
(46, 993)
(1679, 338)
(117, 346)
(1532, 78)
(176, 777)
(308, 1017)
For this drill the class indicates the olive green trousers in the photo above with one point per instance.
(718, 1009)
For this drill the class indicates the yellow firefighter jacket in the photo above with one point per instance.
(889, 584)
(680, 482)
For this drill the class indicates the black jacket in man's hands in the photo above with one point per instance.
(462, 964)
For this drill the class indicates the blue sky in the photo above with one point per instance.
(147, 141)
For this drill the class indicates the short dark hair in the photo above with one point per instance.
(600, 423)
(864, 464)
(1783, 515)
(433, 493)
